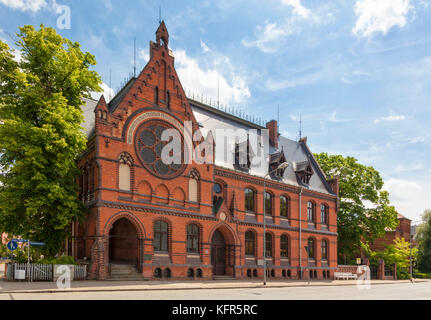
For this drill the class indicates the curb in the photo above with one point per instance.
(260, 286)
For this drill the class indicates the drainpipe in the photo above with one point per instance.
(300, 232)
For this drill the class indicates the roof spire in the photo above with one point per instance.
(162, 34)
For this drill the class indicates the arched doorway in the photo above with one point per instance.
(123, 243)
(218, 253)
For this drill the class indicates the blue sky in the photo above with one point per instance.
(358, 71)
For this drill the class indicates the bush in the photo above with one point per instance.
(58, 260)
(422, 275)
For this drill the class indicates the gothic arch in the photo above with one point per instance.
(140, 229)
(227, 231)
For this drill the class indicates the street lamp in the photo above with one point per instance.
(284, 165)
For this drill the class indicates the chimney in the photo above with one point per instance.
(272, 126)
(335, 185)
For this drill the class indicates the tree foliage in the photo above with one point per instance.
(364, 210)
(397, 254)
(40, 134)
(423, 237)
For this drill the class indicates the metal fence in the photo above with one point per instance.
(80, 272)
(41, 272)
(35, 271)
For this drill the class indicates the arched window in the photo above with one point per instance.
(268, 204)
(311, 251)
(194, 186)
(168, 99)
(249, 200)
(311, 208)
(324, 214)
(324, 250)
(250, 243)
(192, 238)
(156, 95)
(124, 172)
(284, 246)
(160, 242)
(268, 244)
(284, 207)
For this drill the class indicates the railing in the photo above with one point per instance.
(80, 272)
(42, 272)
(34, 271)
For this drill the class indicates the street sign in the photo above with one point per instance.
(12, 245)
(20, 240)
(37, 243)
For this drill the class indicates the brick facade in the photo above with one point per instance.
(121, 225)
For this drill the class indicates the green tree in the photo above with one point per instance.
(423, 237)
(364, 211)
(40, 134)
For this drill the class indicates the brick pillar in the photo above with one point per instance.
(381, 270)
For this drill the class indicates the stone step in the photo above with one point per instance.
(135, 278)
(223, 278)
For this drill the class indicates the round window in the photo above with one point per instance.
(217, 188)
(149, 148)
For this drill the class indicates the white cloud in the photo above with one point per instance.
(25, 5)
(306, 79)
(380, 16)
(144, 55)
(108, 93)
(205, 47)
(390, 118)
(206, 80)
(410, 198)
(268, 35)
(298, 8)
(333, 118)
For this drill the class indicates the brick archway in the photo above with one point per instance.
(123, 242)
(223, 242)
(125, 234)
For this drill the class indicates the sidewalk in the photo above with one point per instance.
(94, 286)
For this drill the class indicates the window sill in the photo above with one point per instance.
(161, 254)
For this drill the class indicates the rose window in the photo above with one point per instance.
(149, 146)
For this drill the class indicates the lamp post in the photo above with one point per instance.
(284, 165)
(308, 256)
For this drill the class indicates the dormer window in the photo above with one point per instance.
(304, 171)
(275, 160)
(243, 155)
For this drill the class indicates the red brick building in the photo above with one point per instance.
(403, 230)
(196, 220)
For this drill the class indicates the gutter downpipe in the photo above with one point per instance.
(300, 233)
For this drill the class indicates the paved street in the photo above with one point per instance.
(403, 291)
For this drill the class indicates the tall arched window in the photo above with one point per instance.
(160, 242)
(284, 246)
(268, 204)
(194, 186)
(192, 238)
(284, 207)
(249, 200)
(156, 95)
(250, 243)
(311, 247)
(324, 214)
(311, 208)
(268, 244)
(324, 250)
(168, 99)
(124, 172)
